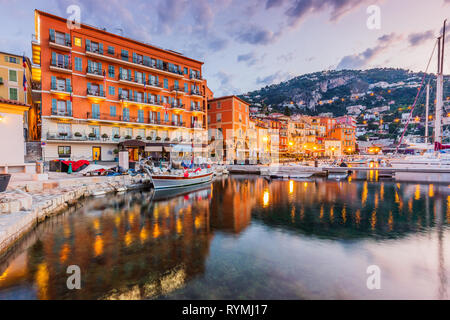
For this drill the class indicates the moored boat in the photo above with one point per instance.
(166, 181)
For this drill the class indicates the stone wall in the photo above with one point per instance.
(33, 151)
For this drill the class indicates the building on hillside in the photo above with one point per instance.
(98, 91)
(332, 147)
(12, 142)
(15, 79)
(346, 135)
(228, 121)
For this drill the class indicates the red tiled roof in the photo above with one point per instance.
(13, 102)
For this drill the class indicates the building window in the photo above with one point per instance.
(219, 105)
(64, 151)
(111, 71)
(166, 84)
(77, 42)
(185, 71)
(112, 91)
(78, 64)
(112, 111)
(219, 117)
(13, 75)
(13, 94)
(124, 55)
(111, 50)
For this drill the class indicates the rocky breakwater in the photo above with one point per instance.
(24, 205)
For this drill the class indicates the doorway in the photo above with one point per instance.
(96, 153)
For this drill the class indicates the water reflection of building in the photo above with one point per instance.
(127, 248)
(232, 203)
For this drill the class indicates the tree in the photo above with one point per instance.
(287, 111)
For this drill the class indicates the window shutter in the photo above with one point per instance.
(88, 45)
(68, 86)
(145, 97)
(100, 68)
(54, 103)
(157, 80)
(101, 90)
(120, 92)
(67, 36)
(66, 61)
(54, 58)
(100, 48)
(134, 57)
(89, 86)
(52, 35)
(129, 75)
(69, 107)
(89, 65)
(53, 82)
(181, 119)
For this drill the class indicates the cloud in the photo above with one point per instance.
(255, 35)
(226, 85)
(272, 78)
(287, 57)
(300, 9)
(361, 60)
(250, 58)
(217, 44)
(416, 39)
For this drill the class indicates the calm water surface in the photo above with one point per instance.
(243, 238)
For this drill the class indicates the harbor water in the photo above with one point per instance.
(243, 237)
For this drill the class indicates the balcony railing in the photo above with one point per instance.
(66, 136)
(62, 113)
(195, 77)
(196, 109)
(196, 92)
(36, 85)
(139, 100)
(96, 93)
(131, 79)
(55, 87)
(178, 89)
(62, 42)
(94, 71)
(176, 105)
(133, 119)
(61, 64)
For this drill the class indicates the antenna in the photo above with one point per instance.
(443, 47)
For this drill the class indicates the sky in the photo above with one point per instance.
(249, 44)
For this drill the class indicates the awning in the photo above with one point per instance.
(153, 149)
(182, 148)
(132, 143)
(167, 149)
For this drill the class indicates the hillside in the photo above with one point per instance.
(333, 91)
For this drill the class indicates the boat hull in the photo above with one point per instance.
(168, 182)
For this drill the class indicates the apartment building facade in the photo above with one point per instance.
(12, 71)
(228, 121)
(98, 89)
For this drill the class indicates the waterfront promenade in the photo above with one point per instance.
(26, 202)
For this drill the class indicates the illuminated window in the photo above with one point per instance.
(77, 41)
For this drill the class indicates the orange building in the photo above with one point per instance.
(346, 135)
(228, 120)
(98, 89)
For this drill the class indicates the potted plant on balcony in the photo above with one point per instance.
(127, 137)
(63, 134)
(116, 136)
(4, 180)
(149, 138)
(116, 152)
(105, 136)
(77, 134)
(138, 138)
(92, 135)
(158, 138)
(167, 139)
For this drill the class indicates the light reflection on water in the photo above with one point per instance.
(243, 238)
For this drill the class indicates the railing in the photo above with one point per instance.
(131, 79)
(176, 105)
(193, 76)
(196, 109)
(36, 85)
(61, 64)
(64, 42)
(54, 86)
(174, 88)
(139, 100)
(62, 113)
(66, 136)
(196, 92)
(133, 119)
(94, 71)
(95, 93)
(154, 84)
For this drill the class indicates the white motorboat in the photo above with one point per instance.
(169, 180)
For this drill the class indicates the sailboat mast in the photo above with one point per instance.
(427, 106)
(439, 88)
